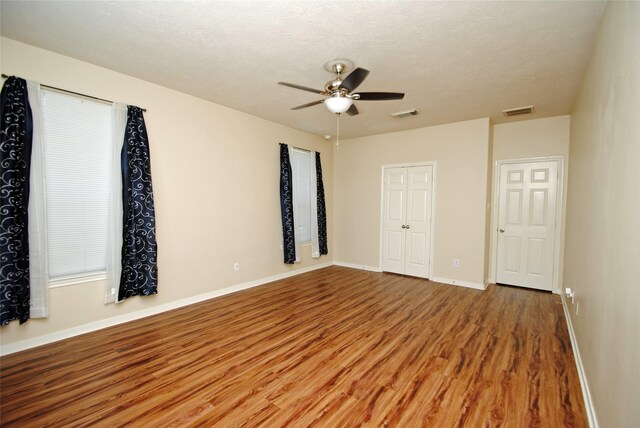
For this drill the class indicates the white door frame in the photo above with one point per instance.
(559, 210)
(433, 164)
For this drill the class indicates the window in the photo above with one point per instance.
(301, 168)
(77, 160)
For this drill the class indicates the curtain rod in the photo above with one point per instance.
(297, 148)
(4, 76)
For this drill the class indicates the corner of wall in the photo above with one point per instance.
(488, 218)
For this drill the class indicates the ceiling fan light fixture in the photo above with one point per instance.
(338, 103)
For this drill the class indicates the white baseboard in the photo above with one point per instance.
(109, 322)
(586, 393)
(357, 266)
(474, 285)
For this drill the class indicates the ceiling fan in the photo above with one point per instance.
(339, 91)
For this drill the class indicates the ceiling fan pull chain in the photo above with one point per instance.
(338, 131)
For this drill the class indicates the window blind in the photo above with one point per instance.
(77, 153)
(301, 167)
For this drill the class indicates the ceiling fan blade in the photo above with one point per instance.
(308, 105)
(379, 96)
(304, 88)
(353, 110)
(354, 79)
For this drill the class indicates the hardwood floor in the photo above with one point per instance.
(336, 347)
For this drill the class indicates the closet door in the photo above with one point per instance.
(393, 219)
(418, 221)
(406, 220)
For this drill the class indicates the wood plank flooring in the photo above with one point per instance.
(335, 347)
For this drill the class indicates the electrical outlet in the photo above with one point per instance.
(236, 267)
(456, 263)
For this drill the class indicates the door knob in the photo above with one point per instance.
(408, 227)
(501, 230)
(404, 227)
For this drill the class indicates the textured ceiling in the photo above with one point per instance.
(454, 60)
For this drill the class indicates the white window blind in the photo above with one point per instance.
(77, 153)
(301, 168)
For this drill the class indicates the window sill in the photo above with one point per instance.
(66, 281)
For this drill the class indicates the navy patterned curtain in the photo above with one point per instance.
(16, 132)
(286, 205)
(139, 248)
(322, 210)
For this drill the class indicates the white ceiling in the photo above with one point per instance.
(454, 60)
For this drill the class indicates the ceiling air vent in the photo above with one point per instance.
(518, 111)
(405, 113)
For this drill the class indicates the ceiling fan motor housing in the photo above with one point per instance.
(333, 86)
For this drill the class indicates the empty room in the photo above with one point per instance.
(320, 213)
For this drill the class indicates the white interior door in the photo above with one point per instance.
(526, 224)
(406, 220)
(418, 221)
(393, 219)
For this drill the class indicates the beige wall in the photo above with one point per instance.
(602, 258)
(461, 151)
(532, 138)
(215, 177)
(536, 138)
